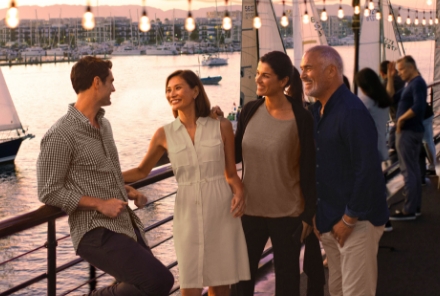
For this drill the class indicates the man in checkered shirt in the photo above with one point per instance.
(78, 171)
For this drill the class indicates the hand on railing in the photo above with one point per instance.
(111, 207)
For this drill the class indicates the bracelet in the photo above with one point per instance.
(349, 225)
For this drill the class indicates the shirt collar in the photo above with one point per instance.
(78, 115)
(332, 100)
(177, 123)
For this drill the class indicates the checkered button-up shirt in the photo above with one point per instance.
(77, 159)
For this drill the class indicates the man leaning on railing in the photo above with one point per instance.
(78, 171)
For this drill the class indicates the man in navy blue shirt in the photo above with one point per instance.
(352, 207)
(409, 132)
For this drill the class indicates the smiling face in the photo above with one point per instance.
(313, 75)
(267, 81)
(105, 89)
(179, 94)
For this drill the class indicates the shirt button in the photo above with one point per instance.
(319, 199)
(318, 132)
(317, 165)
(317, 183)
(317, 148)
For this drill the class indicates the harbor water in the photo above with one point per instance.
(41, 94)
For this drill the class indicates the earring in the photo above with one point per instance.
(195, 98)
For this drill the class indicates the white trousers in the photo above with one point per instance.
(353, 268)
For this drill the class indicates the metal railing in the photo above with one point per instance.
(48, 214)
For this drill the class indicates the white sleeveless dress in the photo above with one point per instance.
(210, 244)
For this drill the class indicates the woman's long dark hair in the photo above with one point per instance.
(283, 67)
(370, 84)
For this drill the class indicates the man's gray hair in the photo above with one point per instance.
(329, 55)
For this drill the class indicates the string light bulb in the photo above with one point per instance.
(399, 18)
(371, 5)
(429, 2)
(190, 24)
(227, 22)
(306, 18)
(257, 19)
(436, 21)
(424, 19)
(284, 19)
(12, 19)
(324, 16)
(390, 17)
(88, 20)
(431, 22)
(357, 9)
(144, 22)
(378, 15)
(340, 12)
(367, 12)
(416, 21)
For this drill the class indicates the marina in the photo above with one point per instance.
(41, 94)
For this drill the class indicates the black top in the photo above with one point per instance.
(304, 121)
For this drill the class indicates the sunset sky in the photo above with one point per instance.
(183, 4)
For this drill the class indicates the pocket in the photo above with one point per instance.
(94, 238)
(210, 150)
(178, 155)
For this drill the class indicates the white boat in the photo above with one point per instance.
(127, 50)
(255, 43)
(214, 60)
(33, 52)
(11, 130)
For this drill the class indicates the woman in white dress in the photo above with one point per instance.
(208, 236)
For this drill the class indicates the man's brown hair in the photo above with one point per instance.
(86, 69)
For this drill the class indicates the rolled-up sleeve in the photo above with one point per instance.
(52, 170)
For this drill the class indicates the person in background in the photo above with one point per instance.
(274, 140)
(428, 142)
(398, 85)
(78, 171)
(352, 208)
(208, 237)
(409, 132)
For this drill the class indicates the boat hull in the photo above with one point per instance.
(9, 150)
(211, 80)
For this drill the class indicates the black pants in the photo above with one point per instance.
(286, 250)
(132, 263)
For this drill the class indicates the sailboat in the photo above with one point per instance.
(255, 43)
(11, 130)
(378, 40)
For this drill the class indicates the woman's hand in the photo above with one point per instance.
(140, 200)
(216, 112)
(238, 205)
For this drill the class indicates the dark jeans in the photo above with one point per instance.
(132, 263)
(286, 250)
(408, 144)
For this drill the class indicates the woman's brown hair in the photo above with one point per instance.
(203, 106)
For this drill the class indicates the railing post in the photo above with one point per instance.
(51, 246)
(92, 275)
(432, 97)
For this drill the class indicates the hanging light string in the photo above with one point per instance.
(284, 19)
(399, 18)
(431, 22)
(340, 10)
(367, 10)
(144, 22)
(88, 20)
(190, 24)
(324, 16)
(12, 19)
(409, 20)
(227, 22)
(257, 19)
(306, 18)
(378, 12)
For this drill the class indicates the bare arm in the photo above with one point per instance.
(155, 151)
(238, 202)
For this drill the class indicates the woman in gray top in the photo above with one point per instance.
(274, 140)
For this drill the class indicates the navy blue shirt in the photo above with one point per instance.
(348, 168)
(413, 96)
